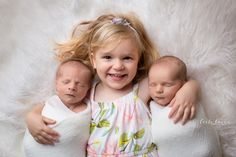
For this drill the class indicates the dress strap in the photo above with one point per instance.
(135, 89)
(92, 92)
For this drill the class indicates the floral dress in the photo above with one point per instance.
(121, 128)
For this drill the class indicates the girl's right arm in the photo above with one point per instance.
(37, 125)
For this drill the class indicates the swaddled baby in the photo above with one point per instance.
(193, 139)
(70, 110)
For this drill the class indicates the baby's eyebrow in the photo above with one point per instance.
(167, 82)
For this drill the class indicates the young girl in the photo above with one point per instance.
(121, 53)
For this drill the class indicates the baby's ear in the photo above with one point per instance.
(55, 85)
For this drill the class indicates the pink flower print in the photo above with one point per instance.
(110, 147)
(131, 115)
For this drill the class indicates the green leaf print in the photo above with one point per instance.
(144, 155)
(101, 105)
(102, 113)
(92, 127)
(151, 147)
(139, 134)
(113, 107)
(103, 123)
(136, 148)
(116, 130)
(124, 139)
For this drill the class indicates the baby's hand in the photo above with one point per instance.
(38, 128)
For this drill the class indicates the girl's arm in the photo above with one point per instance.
(37, 125)
(143, 92)
(184, 103)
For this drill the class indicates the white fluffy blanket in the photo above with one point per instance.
(202, 33)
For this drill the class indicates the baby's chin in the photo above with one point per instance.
(161, 103)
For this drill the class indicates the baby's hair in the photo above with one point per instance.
(89, 36)
(181, 74)
(84, 63)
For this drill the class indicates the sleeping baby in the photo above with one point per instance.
(70, 110)
(193, 139)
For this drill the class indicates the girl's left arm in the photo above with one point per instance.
(184, 103)
(143, 92)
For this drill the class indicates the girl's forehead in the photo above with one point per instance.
(120, 46)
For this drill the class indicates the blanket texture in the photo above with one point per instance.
(202, 33)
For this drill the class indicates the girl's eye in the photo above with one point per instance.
(106, 57)
(127, 58)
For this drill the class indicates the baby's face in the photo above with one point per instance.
(162, 84)
(73, 83)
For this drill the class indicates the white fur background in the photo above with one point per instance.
(201, 32)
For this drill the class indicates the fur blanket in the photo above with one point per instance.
(202, 33)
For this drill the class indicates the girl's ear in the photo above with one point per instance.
(92, 60)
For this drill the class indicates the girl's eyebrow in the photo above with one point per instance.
(105, 53)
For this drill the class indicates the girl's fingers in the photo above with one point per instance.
(193, 112)
(47, 135)
(173, 110)
(48, 121)
(172, 102)
(50, 133)
(50, 137)
(43, 140)
(186, 115)
(179, 114)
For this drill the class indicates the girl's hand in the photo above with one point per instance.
(37, 125)
(184, 103)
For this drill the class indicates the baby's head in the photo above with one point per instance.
(166, 76)
(73, 80)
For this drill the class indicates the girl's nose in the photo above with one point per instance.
(118, 65)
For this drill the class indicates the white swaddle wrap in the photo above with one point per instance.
(72, 127)
(194, 139)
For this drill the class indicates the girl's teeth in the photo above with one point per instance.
(116, 75)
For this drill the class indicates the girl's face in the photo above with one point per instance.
(116, 64)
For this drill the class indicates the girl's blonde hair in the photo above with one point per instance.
(89, 36)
